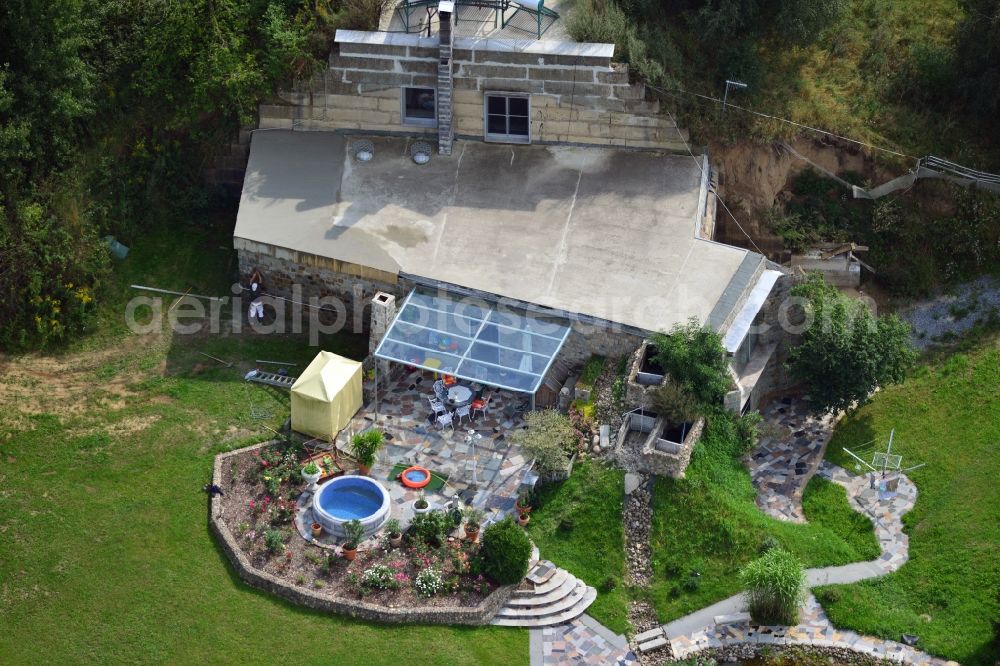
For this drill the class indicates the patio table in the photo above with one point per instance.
(459, 395)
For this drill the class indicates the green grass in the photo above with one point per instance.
(707, 526)
(105, 551)
(578, 525)
(948, 416)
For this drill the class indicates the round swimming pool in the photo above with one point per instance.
(347, 498)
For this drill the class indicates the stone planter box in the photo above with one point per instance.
(659, 454)
(642, 378)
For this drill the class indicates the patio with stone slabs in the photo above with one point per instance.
(485, 471)
(789, 452)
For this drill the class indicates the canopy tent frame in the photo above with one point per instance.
(453, 338)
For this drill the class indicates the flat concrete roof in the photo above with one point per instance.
(603, 232)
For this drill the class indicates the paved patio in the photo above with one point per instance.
(482, 466)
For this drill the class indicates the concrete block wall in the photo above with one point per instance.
(578, 95)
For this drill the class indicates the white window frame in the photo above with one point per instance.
(417, 122)
(504, 138)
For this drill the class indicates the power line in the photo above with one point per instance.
(730, 105)
(718, 198)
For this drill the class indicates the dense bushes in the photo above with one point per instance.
(109, 114)
(506, 551)
(846, 352)
(775, 585)
(693, 356)
(549, 438)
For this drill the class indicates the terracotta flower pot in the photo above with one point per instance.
(317, 530)
(396, 541)
(350, 554)
(523, 519)
(364, 470)
(471, 534)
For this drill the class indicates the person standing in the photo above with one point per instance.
(256, 311)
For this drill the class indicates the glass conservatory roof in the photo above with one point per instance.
(471, 339)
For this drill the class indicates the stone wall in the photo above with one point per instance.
(585, 339)
(578, 96)
(672, 464)
(469, 615)
(299, 276)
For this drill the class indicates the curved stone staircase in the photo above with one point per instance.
(548, 596)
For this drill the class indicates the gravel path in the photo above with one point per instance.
(952, 314)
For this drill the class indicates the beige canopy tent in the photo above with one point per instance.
(326, 395)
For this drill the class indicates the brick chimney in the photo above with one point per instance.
(446, 131)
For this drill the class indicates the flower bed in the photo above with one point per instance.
(257, 508)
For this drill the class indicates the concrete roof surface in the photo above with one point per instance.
(598, 231)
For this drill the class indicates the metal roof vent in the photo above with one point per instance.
(420, 151)
(364, 150)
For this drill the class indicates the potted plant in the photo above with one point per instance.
(523, 519)
(311, 474)
(524, 502)
(365, 447)
(395, 532)
(355, 533)
(473, 519)
(421, 505)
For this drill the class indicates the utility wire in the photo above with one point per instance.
(780, 119)
(718, 198)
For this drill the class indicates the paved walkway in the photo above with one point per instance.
(583, 642)
(790, 449)
(699, 631)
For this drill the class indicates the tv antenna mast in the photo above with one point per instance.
(888, 465)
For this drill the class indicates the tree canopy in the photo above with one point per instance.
(846, 352)
(694, 358)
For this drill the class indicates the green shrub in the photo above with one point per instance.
(549, 438)
(431, 527)
(355, 533)
(746, 429)
(675, 403)
(591, 371)
(693, 356)
(775, 586)
(365, 446)
(274, 541)
(506, 551)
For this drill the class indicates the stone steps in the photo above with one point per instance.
(558, 598)
(549, 620)
(650, 640)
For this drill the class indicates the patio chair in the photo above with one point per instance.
(463, 411)
(436, 405)
(446, 419)
(440, 390)
(481, 405)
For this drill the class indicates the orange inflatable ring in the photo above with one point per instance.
(415, 477)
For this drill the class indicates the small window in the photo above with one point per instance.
(419, 107)
(508, 118)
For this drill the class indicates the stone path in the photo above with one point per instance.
(582, 642)
(711, 628)
(791, 446)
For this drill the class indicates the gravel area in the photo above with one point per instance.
(952, 314)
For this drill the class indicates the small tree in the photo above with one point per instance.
(847, 352)
(506, 551)
(549, 438)
(675, 403)
(693, 356)
(775, 587)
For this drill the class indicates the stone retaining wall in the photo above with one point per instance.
(578, 96)
(469, 615)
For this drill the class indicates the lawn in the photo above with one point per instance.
(948, 594)
(578, 525)
(105, 551)
(707, 526)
